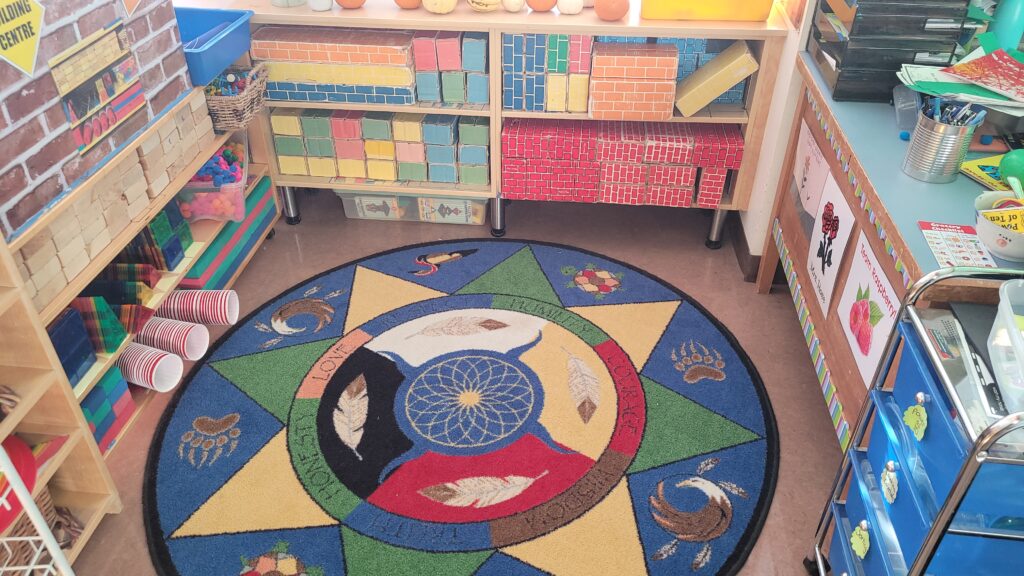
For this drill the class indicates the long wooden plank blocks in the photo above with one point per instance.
(550, 160)
(336, 64)
(633, 81)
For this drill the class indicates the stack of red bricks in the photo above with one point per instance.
(660, 164)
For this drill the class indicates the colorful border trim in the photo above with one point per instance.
(844, 157)
(828, 388)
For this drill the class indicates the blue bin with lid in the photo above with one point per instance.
(213, 40)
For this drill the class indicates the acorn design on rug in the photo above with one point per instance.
(697, 362)
(593, 280)
(318, 308)
(208, 439)
(705, 524)
(278, 562)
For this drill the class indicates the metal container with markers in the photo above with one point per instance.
(937, 150)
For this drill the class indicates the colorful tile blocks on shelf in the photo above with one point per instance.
(694, 53)
(633, 81)
(336, 64)
(619, 162)
(382, 146)
(71, 342)
(108, 407)
(451, 67)
(523, 67)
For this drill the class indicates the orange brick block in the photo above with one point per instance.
(332, 45)
(632, 99)
(640, 61)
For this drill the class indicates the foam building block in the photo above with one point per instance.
(320, 147)
(446, 173)
(349, 149)
(632, 81)
(285, 121)
(478, 88)
(424, 51)
(474, 130)
(449, 51)
(712, 187)
(534, 92)
(672, 176)
(346, 124)
(440, 129)
(289, 145)
(410, 152)
(558, 53)
(323, 167)
(623, 173)
(717, 146)
(381, 170)
(630, 194)
(512, 86)
(474, 175)
(295, 165)
(377, 125)
(474, 52)
(472, 154)
(316, 123)
(621, 39)
(339, 74)
(351, 168)
(438, 154)
(580, 49)
(380, 149)
(620, 142)
(453, 87)
(332, 45)
(579, 93)
(524, 53)
(715, 78)
(412, 171)
(669, 196)
(428, 86)
(557, 92)
(695, 53)
(549, 139)
(408, 127)
(668, 144)
(554, 180)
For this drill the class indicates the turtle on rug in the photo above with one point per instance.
(484, 407)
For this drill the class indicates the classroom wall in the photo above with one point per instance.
(38, 158)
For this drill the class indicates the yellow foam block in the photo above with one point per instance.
(286, 121)
(380, 149)
(716, 77)
(293, 165)
(351, 168)
(381, 170)
(731, 10)
(325, 167)
(579, 92)
(355, 74)
(408, 127)
(557, 91)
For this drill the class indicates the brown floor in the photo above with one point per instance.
(668, 243)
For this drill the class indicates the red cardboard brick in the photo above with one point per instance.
(620, 141)
(668, 143)
(624, 173)
(712, 187)
(672, 176)
(717, 146)
(669, 196)
(623, 194)
(549, 139)
(548, 179)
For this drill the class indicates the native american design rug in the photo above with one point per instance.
(478, 407)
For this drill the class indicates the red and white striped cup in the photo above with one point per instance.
(201, 306)
(185, 339)
(150, 368)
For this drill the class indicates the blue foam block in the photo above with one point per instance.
(440, 154)
(478, 88)
(472, 154)
(428, 86)
(442, 173)
(474, 52)
(439, 129)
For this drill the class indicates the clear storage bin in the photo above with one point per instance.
(437, 209)
(1006, 344)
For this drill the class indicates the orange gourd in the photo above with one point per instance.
(350, 3)
(408, 4)
(611, 10)
(541, 5)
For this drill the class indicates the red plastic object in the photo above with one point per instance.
(25, 463)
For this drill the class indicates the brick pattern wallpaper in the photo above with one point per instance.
(38, 157)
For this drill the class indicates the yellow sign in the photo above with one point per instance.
(20, 27)
(1011, 219)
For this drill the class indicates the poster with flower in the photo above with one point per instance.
(833, 227)
(810, 169)
(867, 309)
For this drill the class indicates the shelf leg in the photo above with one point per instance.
(291, 206)
(497, 217)
(714, 241)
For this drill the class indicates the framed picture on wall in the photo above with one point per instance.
(833, 227)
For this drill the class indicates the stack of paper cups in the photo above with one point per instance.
(185, 339)
(150, 368)
(201, 306)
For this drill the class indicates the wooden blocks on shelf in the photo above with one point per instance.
(715, 78)
(633, 81)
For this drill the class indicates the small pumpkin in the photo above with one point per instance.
(440, 6)
(408, 4)
(484, 5)
(611, 10)
(513, 5)
(541, 5)
(570, 6)
(350, 4)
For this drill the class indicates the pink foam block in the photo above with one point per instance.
(410, 152)
(449, 51)
(125, 402)
(424, 51)
(349, 149)
(108, 438)
(347, 124)
(580, 50)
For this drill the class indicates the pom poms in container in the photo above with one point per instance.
(217, 191)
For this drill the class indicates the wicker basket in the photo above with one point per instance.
(230, 113)
(22, 552)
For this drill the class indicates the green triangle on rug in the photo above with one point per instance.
(678, 428)
(519, 275)
(365, 555)
(271, 378)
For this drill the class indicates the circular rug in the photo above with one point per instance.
(474, 407)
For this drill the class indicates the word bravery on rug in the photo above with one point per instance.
(478, 407)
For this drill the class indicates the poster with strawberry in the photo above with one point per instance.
(867, 309)
(833, 227)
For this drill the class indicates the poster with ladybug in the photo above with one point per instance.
(833, 227)
(867, 309)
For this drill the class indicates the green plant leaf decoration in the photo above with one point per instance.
(916, 418)
(890, 486)
(876, 313)
(860, 542)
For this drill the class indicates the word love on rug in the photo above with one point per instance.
(511, 409)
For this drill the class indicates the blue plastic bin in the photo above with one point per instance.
(217, 53)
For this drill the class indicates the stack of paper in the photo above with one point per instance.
(978, 78)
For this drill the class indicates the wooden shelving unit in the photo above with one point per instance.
(714, 114)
